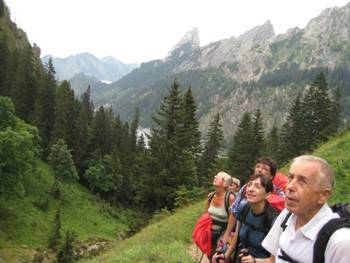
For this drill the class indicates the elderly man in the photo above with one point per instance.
(292, 239)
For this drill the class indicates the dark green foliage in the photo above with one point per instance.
(212, 147)
(42, 203)
(18, 148)
(241, 158)
(317, 112)
(258, 147)
(292, 142)
(190, 139)
(44, 107)
(55, 237)
(24, 88)
(66, 252)
(65, 115)
(4, 66)
(172, 163)
(273, 144)
(104, 175)
(133, 130)
(2, 9)
(61, 161)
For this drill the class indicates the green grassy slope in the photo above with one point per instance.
(165, 241)
(24, 227)
(169, 239)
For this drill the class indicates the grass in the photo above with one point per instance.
(24, 227)
(169, 239)
(165, 241)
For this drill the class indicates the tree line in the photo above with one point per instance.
(42, 118)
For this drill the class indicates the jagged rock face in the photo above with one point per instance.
(236, 75)
(243, 57)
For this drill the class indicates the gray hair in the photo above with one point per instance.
(326, 174)
(227, 178)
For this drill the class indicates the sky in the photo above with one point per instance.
(143, 30)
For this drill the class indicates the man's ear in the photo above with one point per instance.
(325, 194)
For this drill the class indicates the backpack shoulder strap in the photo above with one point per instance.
(325, 234)
(284, 222)
(244, 213)
(227, 201)
(211, 196)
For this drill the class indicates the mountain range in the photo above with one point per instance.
(107, 69)
(258, 69)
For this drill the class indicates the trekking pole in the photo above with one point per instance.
(201, 258)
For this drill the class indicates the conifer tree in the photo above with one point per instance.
(258, 147)
(82, 141)
(65, 114)
(88, 105)
(2, 9)
(273, 144)
(44, 107)
(4, 66)
(55, 237)
(190, 137)
(212, 147)
(133, 130)
(166, 150)
(241, 158)
(293, 133)
(317, 111)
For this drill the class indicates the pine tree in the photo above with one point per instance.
(258, 147)
(241, 158)
(212, 147)
(165, 148)
(44, 107)
(273, 144)
(4, 66)
(293, 133)
(190, 137)
(55, 237)
(317, 110)
(2, 9)
(66, 253)
(88, 105)
(65, 114)
(133, 130)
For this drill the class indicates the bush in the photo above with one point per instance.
(185, 196)
(66, 253)
(42, 203)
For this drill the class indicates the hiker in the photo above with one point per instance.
(235, 186)
(254, 221)
(265, 167)
(218, 205)
(292, 239)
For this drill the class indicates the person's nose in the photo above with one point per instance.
(291, 185)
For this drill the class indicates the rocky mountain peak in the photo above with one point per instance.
(189, 40)
(258, 34)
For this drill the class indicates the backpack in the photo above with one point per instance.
(325, 233)
(227, 200)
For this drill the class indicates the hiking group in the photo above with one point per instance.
(275, 218)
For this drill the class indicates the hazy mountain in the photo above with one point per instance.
(255, 70)
(105, 69)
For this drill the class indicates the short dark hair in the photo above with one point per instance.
(271, 164)
(264, 180)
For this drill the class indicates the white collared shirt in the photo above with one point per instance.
(298, 244)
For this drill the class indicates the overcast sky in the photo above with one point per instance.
(142, 30)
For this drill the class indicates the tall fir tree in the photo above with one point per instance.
(88, 105)
(4, 66)
(212, 147)
(191, 136)
(133, 130)
(241, 158)
(166, 150)
(44, 117)
(65, 114)
(258, 147)
(317, 108)
(273, 144)
(293, 133)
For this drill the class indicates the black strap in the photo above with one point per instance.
(284, 222)
(284, 256)
(325, 234)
